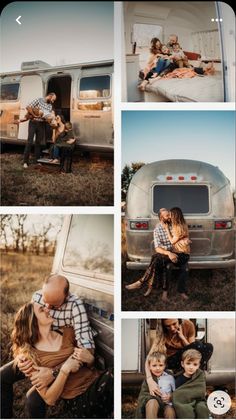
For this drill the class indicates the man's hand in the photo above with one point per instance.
(83, 355)
(25, 366)
(173, 257)
(42, 377)
(153, 387)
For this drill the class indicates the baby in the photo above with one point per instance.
(149, 405)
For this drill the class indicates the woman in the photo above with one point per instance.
(178, 236)
(173, 337)
(157, 63)
(86, 391)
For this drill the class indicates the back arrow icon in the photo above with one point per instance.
(18, 20)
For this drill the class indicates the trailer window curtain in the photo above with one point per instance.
(207, 43)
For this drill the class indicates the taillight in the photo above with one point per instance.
(193, 178)
(140, 225)
(181, 178)
(223, 224)
(169, 178)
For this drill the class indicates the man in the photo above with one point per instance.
(37, 126)
(162, 262)
(181, 62)
(67, 310)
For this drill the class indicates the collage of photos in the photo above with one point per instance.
(118, 220)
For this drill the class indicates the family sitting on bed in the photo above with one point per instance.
(182, 397)
(170, 61)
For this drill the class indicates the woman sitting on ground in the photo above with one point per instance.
(87, 392)
(174, 337)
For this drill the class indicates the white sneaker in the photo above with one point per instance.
(25, 165)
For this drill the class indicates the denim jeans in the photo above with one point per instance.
(162, 64)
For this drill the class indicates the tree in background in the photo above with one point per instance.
(126, 176)
(37, 237)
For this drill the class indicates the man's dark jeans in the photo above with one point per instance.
(37, 129)
(36, 406)
(164, 268)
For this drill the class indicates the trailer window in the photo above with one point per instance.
(190, 198)
(89, 247)
(9, 92)
(94, 87)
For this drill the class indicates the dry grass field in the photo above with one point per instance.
(208, 290)
(21, 275)
(90, 183)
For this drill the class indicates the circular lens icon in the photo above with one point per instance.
(219, 402)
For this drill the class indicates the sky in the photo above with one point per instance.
(35, 222)
(208, 136)
(56, 32)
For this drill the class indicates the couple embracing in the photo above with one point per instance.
(172, 249)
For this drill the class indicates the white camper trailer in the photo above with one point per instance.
(205, 30)
(138, 335)
(84, 255)
(84, 97)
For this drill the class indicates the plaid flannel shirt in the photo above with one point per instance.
(42, 105)
(71, 313)
(161, 239)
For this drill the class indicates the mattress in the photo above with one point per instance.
(196, 89)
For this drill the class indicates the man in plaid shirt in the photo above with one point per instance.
(37, 126)
(67, 310)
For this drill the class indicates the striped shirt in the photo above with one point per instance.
(72, 313)
(42, 105)
(161, 239)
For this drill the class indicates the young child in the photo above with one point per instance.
(148, 405)
(38, 113)
(178, 56)
(189, 396)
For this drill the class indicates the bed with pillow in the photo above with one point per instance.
(201, 88)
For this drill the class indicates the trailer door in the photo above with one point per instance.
(31, 87)
(92, 117)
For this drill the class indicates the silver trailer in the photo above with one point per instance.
(84, 97)
(84, 255)
(138, 335)
(202, 192)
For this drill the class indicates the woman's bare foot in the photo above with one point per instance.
(136, 285)
(154, 79)
(148, 291)
(143, 85)
(55, 161)
(154, 75)
(184, 296)
(164, 297)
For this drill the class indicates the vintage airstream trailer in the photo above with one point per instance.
(138, 335)
(202, 192)
(84, 97)
(205, 29)
(84, 255)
